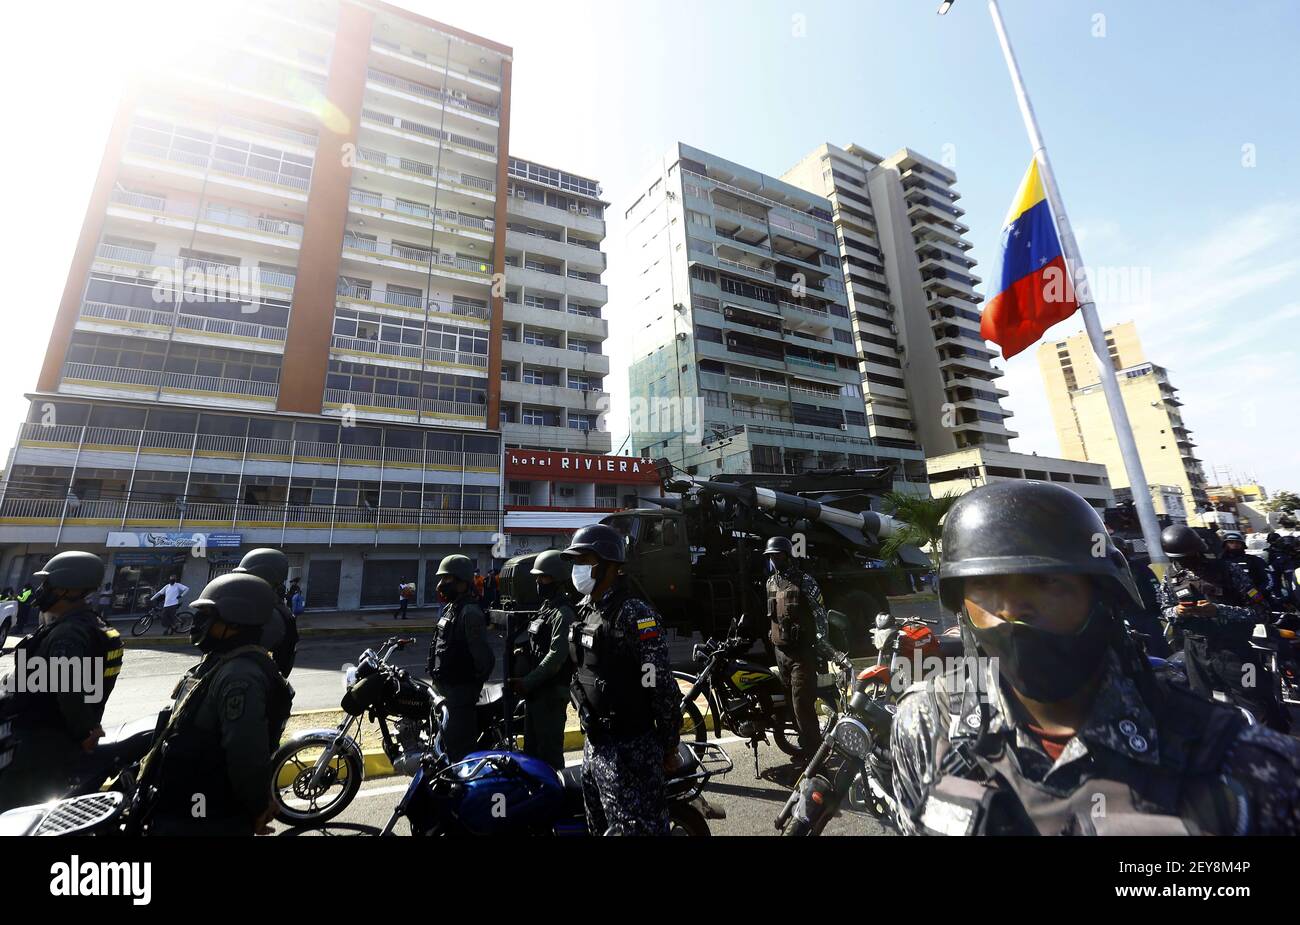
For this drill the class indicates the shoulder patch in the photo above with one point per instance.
(647, 627)
(233, 701)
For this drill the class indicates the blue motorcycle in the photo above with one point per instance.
(501, 792)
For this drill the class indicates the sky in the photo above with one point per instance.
(1172, 126)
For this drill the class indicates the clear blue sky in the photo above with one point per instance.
(1146, 126)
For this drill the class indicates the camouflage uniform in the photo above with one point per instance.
(623, 774)
(546, 686)
(1216, 650)
(1259, 768)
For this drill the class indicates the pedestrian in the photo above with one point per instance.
(405, 594)
(172, 593)
(492, 589)
(24, 599)
(628, 703)
(280, 635)
(1057, 725)
(56, 728)
(547, 668)
(798, 632)
(460, 659)
(297, 599)
(478, 584)
(226, 723)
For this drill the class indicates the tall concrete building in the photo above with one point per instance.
(744, 354)
(1082, 418)
(927, 376)
(279, 326)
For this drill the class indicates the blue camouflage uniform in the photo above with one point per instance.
(630, 724)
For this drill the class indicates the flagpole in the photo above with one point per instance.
(1110, 385)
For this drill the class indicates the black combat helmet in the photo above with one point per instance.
(72, 571)
(1027, 528)
(601, 539)
(239, 598)
(270, 565)
(779, 544)
(458, 567)
(553, 564)
(1180, 541)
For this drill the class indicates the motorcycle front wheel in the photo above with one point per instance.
(694, 727)
(685, 819)
(295, 801)
(787, 737)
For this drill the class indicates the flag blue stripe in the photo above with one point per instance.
(1028, 244)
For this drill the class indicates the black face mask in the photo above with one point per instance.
(1046, 666)
(199, 637)
(546, 590)
(45, 597)
(446, 591)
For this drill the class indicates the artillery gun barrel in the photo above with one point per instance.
(870, 523)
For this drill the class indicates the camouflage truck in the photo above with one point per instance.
(698, 556)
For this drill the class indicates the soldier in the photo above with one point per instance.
(1214, 607)
(1254, 568)
(460, 659)
(209, 772)
(627, 700)
(1282, 560)
(1072, 734)
(55, 728)
(798, 633)
(546, 685)
(280, 636)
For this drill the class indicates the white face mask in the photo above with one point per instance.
(582, 578)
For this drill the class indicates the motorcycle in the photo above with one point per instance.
(316, 773)
(497, 792)
(743, 697)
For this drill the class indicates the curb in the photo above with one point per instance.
(184, 640)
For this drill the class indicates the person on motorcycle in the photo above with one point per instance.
(55, 728)
(460, 659)
(798, 633)
(545, 686)
(1282, 560)
(280, 635)
(209, 771)
(1255, 568)
(627, 700)
(1214, 606)
(1056, 724)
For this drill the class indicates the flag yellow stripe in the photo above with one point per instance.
(1029, 195)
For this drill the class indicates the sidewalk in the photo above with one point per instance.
(336, 623)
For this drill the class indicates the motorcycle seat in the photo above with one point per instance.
(690, 761)
(950, 647)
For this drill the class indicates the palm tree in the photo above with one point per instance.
(922, 519)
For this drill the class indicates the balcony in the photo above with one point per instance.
(235, 281)
(558, 319)
(418, 215)
(404, 168)
(417, 258)
(126, 319)
(410, 353)
(157, 210)
(403, 408)
(556, 396)
(407, 304)
(192, 164)
(430, 96)
(559, 357)
(578, 441)
(384, 49)
(88, 379)
(418, 132)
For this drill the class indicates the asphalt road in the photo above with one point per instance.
(751, 802)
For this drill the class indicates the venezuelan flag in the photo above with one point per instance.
(1034, 290)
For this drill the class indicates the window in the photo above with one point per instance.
(698, 218)
(583, 422)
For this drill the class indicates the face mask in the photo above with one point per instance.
(583, 580)
(546, 589)
(1046, 666)
(45, 597)
(199, 630)
(446, 591)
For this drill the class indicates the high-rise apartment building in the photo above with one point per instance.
(279, 326)
(1082, 417)
(927, 378)
(744, 356)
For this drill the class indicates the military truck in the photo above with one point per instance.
(698, 556)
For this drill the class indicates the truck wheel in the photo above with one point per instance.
(854, 635)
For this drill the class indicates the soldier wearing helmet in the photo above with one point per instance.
(54, 729)
(460, 659)
(1059, 726)
(1213, 606)
(627, 700)
(799, 626)
(280, 636)
(208, 772)
(545, 683)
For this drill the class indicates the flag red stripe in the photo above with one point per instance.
(1020, 314)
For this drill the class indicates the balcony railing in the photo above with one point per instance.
(419, 210)
(416, 255)
(401, 403)
(216, 165)
(152, 378)
(235, 273)
(429, 93)
(409, 351)
(408, 300)
(106, 311)
(428, 131)
(746, 268)
(422, 170)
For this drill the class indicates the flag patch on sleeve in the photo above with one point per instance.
(647, 628)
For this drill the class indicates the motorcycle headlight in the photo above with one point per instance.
(21, 821)
(852, 738)
(349, 676)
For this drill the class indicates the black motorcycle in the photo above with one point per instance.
(743, 697)
(316, 773)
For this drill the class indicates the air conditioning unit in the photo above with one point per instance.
(489, 224)
(893, 329)
(585, 211)
(898, 348)
(459, 95)
(729, 312)
(844, 427)
(573, 207)
(520, 194)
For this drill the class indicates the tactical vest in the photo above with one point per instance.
(1213, 582)
(540, 629)
(450, 661)
(983, 791)
(186, 760)
(792, 628)
(34, 710)
(613, 702)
